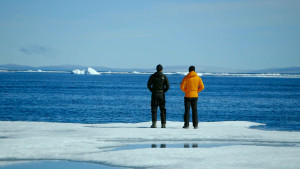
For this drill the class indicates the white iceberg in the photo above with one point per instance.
(92, 71)
(214, 145)
(182, 73)
(135, 72)
(89, 71)
(78, 72)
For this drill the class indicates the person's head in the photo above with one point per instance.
(192, 68)
(159, 68)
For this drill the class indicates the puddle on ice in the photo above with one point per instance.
(203, 145)
(175, 145)
(55, 164)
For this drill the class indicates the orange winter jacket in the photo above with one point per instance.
(191, 84)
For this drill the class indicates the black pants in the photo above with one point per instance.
(158, 99)
(190, 102)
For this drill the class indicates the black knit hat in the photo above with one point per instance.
(159, 67)
(192, 68)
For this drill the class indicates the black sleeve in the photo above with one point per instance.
(166, 84)
(150, 83)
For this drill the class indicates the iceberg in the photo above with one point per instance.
(222, 145)
(89, 71)
(92, 71)
(78, 72)
(135, 72)
(182, 73)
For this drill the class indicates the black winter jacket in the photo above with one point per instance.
(158, 83)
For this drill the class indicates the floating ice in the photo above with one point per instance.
(182, 73)
(78, 72)
(92, 71)
(219, 145)
(136, 72)
(89, 71)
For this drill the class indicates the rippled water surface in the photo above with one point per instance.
(107, 98)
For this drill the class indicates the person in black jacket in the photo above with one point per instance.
(158, 84)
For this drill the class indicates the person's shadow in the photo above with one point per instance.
(161, 146)
(186, 145)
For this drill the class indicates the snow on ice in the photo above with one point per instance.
(214, 145)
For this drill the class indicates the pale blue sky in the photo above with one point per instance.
(250, 34)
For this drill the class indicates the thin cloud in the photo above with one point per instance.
(37, 50)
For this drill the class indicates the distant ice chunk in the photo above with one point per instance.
(89, 71)
(78, 72)
(136, 72)
(92, 71)
(182, 73)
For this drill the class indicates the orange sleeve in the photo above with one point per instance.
(200, 85)
(183, 85)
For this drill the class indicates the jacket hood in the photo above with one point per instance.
(192, 74)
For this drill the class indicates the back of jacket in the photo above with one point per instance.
(191, 85)
(158, 83)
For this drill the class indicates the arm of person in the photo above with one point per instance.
(167, 84)
(183, 85)
(200, 85)
(149, 85)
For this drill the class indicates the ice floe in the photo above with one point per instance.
(78, 72)
(92, 71)
(219, 145)
(89, 71)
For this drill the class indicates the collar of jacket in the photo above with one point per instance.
(192, 74)
(158, 73)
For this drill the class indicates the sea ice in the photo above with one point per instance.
(89, 71)
(78, 72)
(219, 145)
(92, 71)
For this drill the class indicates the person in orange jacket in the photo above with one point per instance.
(191, 85)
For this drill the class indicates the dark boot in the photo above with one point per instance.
(154, 118)
(163, 116)
(153, 124)
(163, 125)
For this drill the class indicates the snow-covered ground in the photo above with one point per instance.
(214, 145)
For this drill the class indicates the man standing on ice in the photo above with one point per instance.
(191, 85)
(158, 84)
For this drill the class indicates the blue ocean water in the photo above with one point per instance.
(109, 98)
